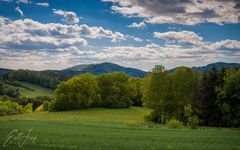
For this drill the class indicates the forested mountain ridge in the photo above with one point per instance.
(107, 67)
(101, 68)
(217, 65)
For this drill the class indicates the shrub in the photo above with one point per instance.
(154, 116)
(36, 101)
(10, 108)
(28, 108)
(46, 105)
(40, 108)
(173, 123)
(193, 121)
(147, 117)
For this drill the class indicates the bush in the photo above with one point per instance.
(10, 108)
(193, 121)
(46, 105)
(39, 109)
(154, 116)
(173, 123)
(36, 101)
(28, 108)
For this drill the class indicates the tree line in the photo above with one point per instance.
(211, 98)
(47, 79)
(111, 90)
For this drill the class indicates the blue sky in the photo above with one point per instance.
(57, 34)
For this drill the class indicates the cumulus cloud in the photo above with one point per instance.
(186, 12)
(137, 25)
(17, 9)
(226, 45)
(187, 37)
(99, 32)
(136, 39)
(70, 17)
(43, 4)
(27, 34)
(37, 45)
(23, 1)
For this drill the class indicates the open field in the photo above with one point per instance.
(98, 128)
(37, 90)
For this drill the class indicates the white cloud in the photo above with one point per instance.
(136, 39)
(23, 1)
(70, 17)
(226, 45)
(17, 9)
(187, 12)
(137, 25)
(187, 37)
(99, 32)
(27, 34)
(43, 4)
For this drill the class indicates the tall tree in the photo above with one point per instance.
(155, 89)
(184, 89)
(209, 111)
(229, 99)
(135, 85)
(115, 90)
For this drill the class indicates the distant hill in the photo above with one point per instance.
(3, 71)
(32, 90)
(111, 67)
(208, 67)
(102, 68)
(218, 66)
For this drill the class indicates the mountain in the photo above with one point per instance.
(3, 71)
(218, 66)
(111, 67)
(208, 67)
(102, 68)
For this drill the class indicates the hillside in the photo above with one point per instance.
(33, 90)
(111, 67)
(218, 66)
(208, 67)
(102, 68)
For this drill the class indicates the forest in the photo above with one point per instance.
(210, 98)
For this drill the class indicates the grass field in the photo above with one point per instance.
(98, 128)
(37, 90)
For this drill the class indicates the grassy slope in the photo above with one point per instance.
(38, 90)
(110, 129)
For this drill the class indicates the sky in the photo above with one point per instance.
(56, 34)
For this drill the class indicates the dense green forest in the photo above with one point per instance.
(47, 79)
(186, 96)
(210, 98)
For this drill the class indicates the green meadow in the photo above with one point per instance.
(99, 128)
(36, 90)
